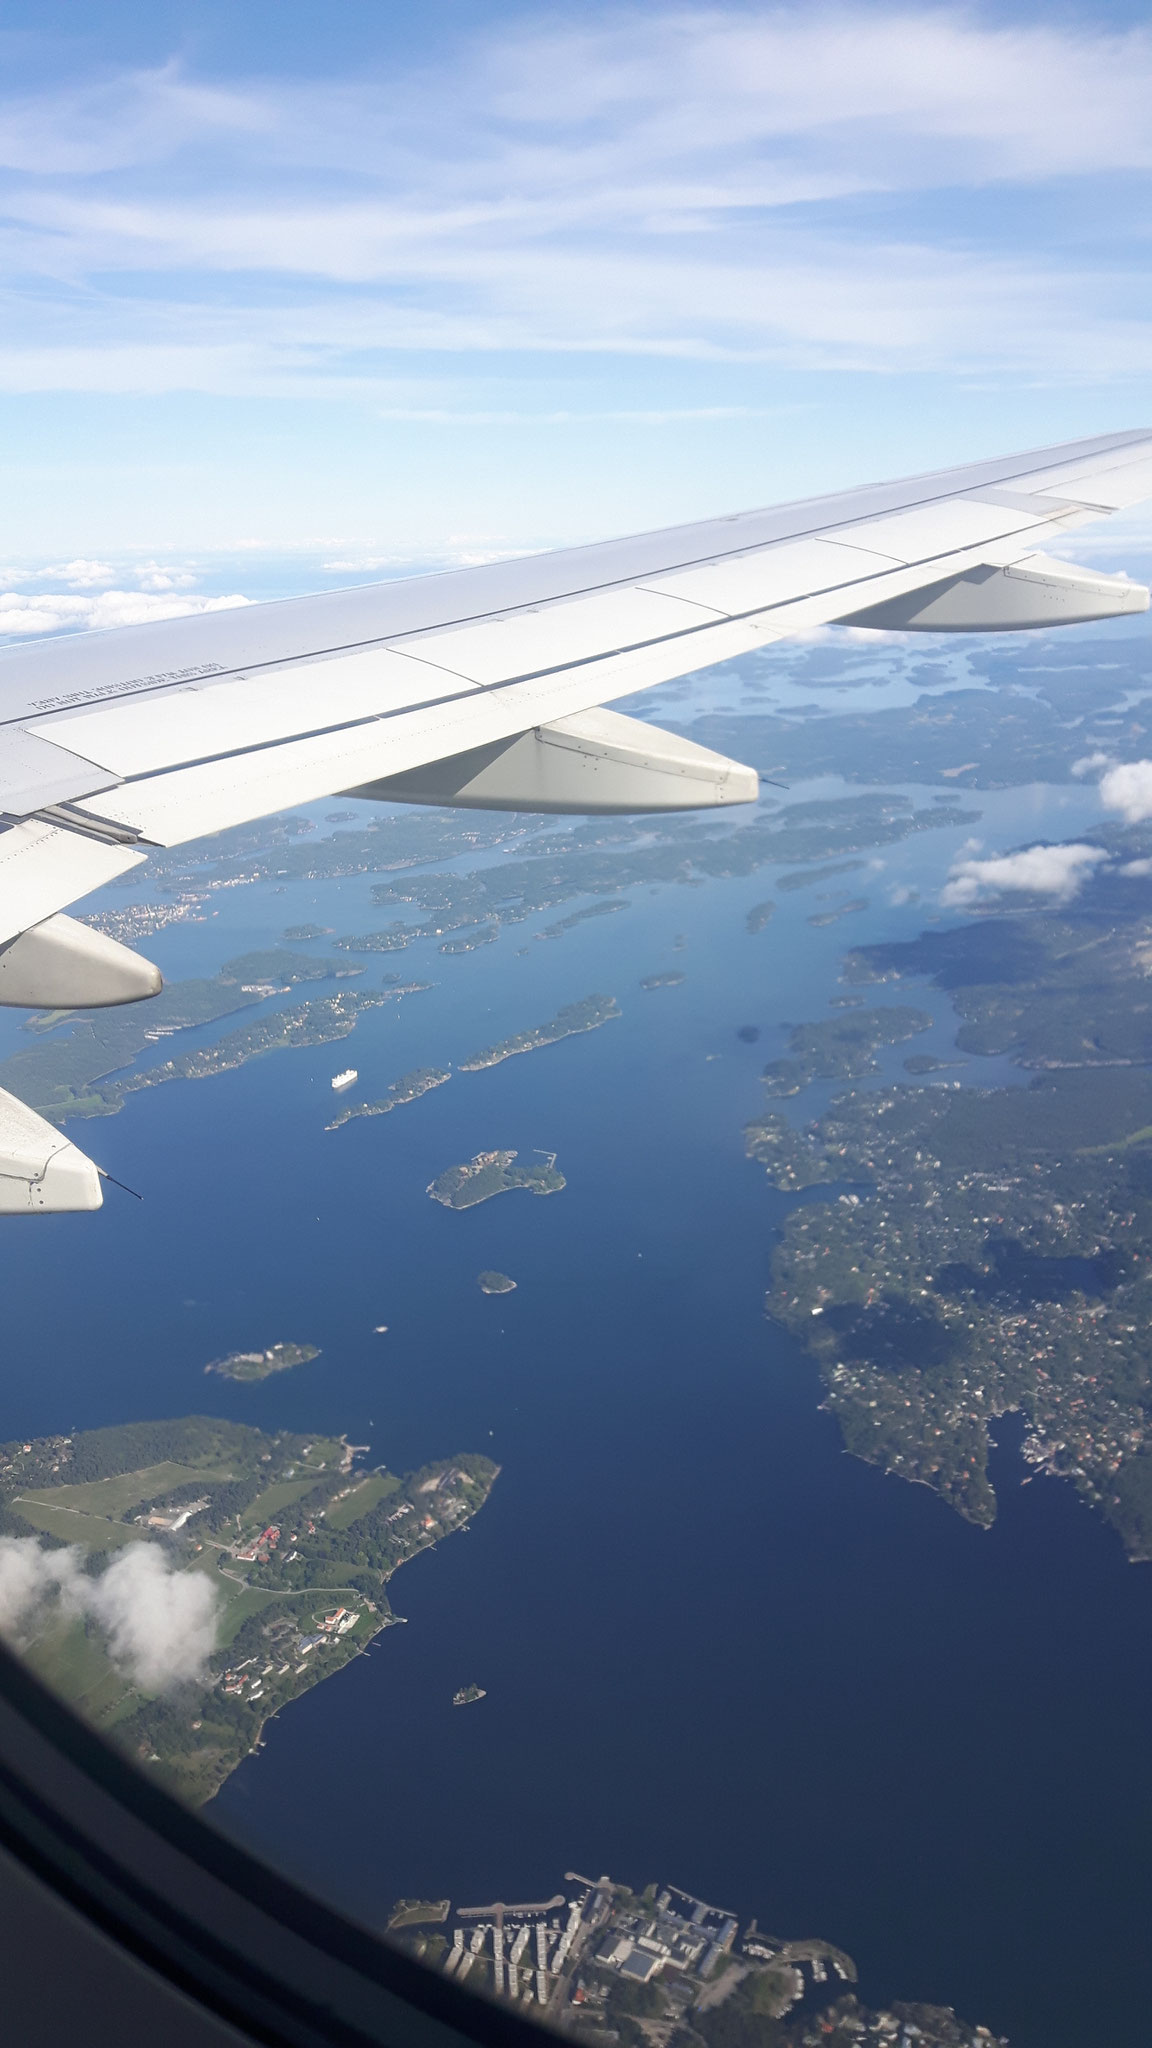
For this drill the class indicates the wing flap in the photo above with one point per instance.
(36, 771)
(43, 867)
(577, 629)
(933, 530)
(771, 576)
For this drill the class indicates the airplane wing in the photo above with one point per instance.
(481, 687)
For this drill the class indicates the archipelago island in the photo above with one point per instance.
(573, 1018)
(408, 1088)
(492, 1173)
(259, 1365)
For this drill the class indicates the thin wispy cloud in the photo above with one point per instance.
(694, 183)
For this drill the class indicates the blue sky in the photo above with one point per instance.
(371, 285)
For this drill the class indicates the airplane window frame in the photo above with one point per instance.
(213, 1922)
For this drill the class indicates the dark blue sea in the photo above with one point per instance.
(716, 1650)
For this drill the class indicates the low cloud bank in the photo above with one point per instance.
(160, 1624)
(1056, 871)
(55, 612)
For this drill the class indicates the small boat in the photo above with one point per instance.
(345, 1079)
(467, 1694)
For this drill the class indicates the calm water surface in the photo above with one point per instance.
(715, 1649)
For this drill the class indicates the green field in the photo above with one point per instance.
(113, 1497)
(284, 1494)
(71, 1526)
(76, 1664)
(363, 1497)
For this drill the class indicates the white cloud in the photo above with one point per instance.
(1056, 871)
(1136, 867)
(1091, 764)
(160, 1624)
(1128, 789)
(24, 616)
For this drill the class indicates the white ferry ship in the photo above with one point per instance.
(345, 1079)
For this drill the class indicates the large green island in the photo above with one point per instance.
(492, 1173)
(297, 1542)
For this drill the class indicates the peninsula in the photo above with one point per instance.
(492, 1173)
(86, 1065)
(316, 1023)
(986, 1250)
(615, 1968)
(297, 1541)
(841, 1048)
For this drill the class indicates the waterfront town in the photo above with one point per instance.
(663, 1969)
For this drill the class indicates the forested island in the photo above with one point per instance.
(297, 1543)
(803, 878)
(409, 1088)
(573, 1018)
(991, 1249)
(577, 917)
(259, 1365)
(671, 979)
(495, 1283)
(392, 940)
(839, 910)
(492, 1173)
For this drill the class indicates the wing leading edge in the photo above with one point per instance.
(479, 687)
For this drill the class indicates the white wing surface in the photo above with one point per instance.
(483, 686)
